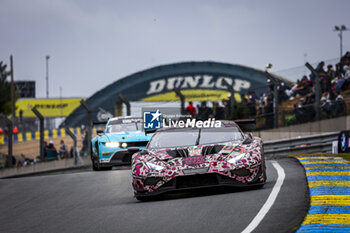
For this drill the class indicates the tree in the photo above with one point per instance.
(5, 90)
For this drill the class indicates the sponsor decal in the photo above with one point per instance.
(104, 160)
(194, 160)
(47, 107)
(195, 151)
(131, 120)
(196, 81)
(237, 149)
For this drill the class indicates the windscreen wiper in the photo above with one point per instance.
(199, 136)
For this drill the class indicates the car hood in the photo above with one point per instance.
(211, 157)
(128, 136)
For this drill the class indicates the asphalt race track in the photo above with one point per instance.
(103, 202)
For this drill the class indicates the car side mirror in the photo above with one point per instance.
(133, 150)
(248, 138)
(99, 131)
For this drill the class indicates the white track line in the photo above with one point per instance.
(270, 200)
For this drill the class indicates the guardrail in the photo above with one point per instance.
(320, 143)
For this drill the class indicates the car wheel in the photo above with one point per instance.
(142, 198)
(95, 165)
(259, 186)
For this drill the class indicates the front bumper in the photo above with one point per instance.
(119, 157)
(196, 181)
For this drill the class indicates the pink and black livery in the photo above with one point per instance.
(180, 159)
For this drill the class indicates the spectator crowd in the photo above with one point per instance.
(50, 154)
(333, 81)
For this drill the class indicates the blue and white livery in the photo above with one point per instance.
(110, 146)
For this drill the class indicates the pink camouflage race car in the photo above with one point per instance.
(186, 158)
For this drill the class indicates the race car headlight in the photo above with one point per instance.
(112, 144)
(124, 145)
(154, 166)
(236, 159)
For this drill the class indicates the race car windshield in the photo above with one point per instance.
(191, 137)
(174, 138)
(212, 135)
(114, 128)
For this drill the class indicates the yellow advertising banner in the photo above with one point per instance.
(47, 107)
(193, 95)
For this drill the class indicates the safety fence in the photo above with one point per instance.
(30, 136)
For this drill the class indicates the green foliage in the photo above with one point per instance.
(290, 120)
(5, 90)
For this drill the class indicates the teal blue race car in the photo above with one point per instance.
(110, 146)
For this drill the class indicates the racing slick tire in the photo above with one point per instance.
(259, 186)
(141, 198)
(144, 199)
(95, 165)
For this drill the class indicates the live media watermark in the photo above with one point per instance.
(171, 117)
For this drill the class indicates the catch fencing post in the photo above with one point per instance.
(71, 134)
(126, 102)
(10, 139)
(90, 124)
(230, 89)
(232, 95)
(318, 90)
(275, 99)
(182, 99)
(41, 126)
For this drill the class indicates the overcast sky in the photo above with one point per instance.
(93, 43)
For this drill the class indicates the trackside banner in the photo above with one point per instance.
(47, 107)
